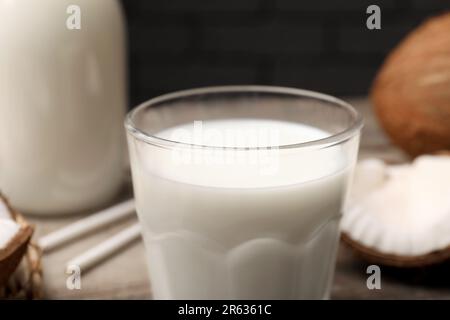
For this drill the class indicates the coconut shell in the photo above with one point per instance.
(12, 255)
(411, 93)
(372, 255)
(375, 256)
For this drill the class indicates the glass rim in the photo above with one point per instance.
(333, 139)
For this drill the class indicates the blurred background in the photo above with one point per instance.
(321, 45)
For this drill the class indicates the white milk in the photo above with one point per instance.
(62, 104)
(233, 231)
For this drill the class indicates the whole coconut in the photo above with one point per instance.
(411, 93)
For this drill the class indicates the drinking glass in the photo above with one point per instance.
(235, 219)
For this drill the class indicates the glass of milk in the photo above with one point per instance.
(240, 190)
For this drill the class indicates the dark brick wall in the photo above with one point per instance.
(320, 45)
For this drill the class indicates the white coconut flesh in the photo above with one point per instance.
(8, 227)
(402, 210)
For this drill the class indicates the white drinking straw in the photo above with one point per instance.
(83, 226)
(98, 253)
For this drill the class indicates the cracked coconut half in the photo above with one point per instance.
(15, 234)
(399, 215)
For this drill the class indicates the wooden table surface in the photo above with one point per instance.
(124, 275)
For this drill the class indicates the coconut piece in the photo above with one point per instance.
(8, 230)
(369, 174)
(4, 211)
(15, 234)
(411, 92)
(404, 218)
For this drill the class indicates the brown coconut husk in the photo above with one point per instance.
(20, 269)
(411, 93)
(26, 281)
(372, 255)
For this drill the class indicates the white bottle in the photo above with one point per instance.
(62, 103)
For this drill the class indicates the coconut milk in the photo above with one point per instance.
(226, 229)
